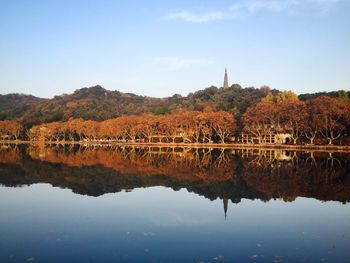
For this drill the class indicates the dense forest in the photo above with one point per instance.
(97, 103)
(213, 115)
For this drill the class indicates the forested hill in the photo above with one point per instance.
(13, 106)
(97, 103)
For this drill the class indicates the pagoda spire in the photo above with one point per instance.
(225, 86)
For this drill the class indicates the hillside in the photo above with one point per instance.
(97, 103)
(14, 105)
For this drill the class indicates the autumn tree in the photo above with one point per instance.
(169, 126)
(149, 125)
(207, 120)
(73, 128)
(259, 119)
(46, 132)
(312, 126)
(332, 116)
(224, 125)
(130, 126)
(293, 117)
(178, 124)
(91, 129)
(10, 129)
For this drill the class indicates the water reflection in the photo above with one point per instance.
(213, 173)
(42, 223)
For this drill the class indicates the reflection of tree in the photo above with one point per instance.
(331, 160)
(10, 154)
(177, 162)
(213, 173)
(311, 175)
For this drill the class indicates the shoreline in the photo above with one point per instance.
(320, 148)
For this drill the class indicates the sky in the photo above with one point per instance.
(161, 48)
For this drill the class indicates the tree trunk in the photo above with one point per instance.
(222, 137)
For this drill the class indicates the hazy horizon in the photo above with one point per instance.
(159, 49)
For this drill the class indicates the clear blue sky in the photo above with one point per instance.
(159, 48)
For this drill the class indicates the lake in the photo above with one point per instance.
(76, 203)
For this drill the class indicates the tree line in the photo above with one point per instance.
(323, 120)
(179, 126)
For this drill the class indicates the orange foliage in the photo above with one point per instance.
(189, 126)
(10, 129)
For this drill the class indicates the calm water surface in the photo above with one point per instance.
(112, 204)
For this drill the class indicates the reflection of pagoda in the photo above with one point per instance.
(225, 200)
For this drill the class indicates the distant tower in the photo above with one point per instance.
(225, 80)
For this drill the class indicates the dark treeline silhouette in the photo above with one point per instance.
(213, 173)
(277, 119)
